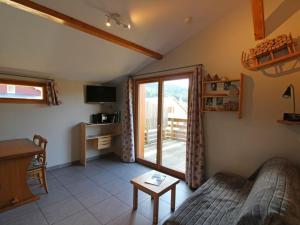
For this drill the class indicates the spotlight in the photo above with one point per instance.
(108, 23)
(128, 26)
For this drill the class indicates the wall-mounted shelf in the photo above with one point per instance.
(274, 61)
(222, 95)
(270, 52)
(220, 81)
(287, 122)
(100, 124)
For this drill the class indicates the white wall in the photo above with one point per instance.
(120, 84)
(57, 123)
(234, 145)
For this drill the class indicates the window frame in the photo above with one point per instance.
(25, 83)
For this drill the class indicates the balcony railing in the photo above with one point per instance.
(175, 129)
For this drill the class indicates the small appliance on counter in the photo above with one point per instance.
(116, 117)
(106, 117)
(291, 116)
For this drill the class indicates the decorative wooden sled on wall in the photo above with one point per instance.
(269, 52)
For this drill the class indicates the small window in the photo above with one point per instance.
(22, 91)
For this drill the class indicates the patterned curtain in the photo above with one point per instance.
(128, 154)
(195, 149)
(52, 93)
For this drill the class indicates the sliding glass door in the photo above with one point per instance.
(148, 121)
(161, 122)
(174, 120)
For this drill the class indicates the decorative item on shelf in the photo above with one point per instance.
(224, 78)
(216, 78)
(223, 95)
(233, 90)
(231, 106)
(106, 118)
(209, 101)
(219, 101)
(208, 78)
(270, 52)
(290, 93)
(227, 85)
(220, 87)
(213, 86)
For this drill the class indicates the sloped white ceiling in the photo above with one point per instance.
(32, 43)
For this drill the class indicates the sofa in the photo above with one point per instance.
(271, 196)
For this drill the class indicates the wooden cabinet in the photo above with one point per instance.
(100, 136)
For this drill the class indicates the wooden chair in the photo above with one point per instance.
(37, 168)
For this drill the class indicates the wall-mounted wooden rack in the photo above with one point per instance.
(220, 81)
(270, 52)
(222, 95)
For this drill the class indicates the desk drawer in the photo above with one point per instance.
(102, 142)
(104, 145)
(105, 138)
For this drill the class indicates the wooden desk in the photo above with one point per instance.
(155, 191)
(101, 140)
(15, 157)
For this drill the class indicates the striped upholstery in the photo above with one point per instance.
(271, 199)
(275, 196)
(35, 163)
(37, 167)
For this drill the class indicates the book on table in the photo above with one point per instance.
(156, 179)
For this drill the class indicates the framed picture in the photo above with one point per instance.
(227, 85)
(219, 101)
(209, 101)
(213, 86)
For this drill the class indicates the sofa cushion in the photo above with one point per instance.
(217, 201)
(274, 198)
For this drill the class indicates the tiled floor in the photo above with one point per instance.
(173, 154)
(97, 194)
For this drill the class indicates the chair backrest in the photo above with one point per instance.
(41, 142)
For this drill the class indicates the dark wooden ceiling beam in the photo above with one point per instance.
(258, 19)
(61, 18)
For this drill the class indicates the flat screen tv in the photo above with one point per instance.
(99, 94)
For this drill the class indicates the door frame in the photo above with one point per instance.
(159, 79)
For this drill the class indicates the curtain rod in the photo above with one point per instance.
(25, 76)
(166, 70)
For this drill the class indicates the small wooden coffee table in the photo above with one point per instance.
(155, 191)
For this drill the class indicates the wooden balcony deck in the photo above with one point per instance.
(173, 154)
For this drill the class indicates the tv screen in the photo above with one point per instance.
(97, 94)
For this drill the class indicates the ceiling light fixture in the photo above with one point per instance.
(128, 26)
(117, 19)
(108, 23)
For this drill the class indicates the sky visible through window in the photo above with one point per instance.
(173, 88)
